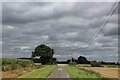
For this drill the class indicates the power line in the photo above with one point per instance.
(88, 41)
(106, 21)
(100, 26)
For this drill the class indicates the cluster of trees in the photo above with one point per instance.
(80, 60)
(83, 60)
(43, 54)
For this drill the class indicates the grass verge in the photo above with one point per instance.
(40, 73)
(19, 72)
(76, 72)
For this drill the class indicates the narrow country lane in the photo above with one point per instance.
(59, 73)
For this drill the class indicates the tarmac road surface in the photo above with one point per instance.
(59, 73)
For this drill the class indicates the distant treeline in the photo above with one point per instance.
(80, 60)
(111, 63)
(38, 60)
(83, 60)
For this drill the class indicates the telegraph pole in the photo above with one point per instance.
(71, 54)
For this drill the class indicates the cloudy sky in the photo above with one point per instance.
(67, 27)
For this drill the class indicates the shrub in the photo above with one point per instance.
(95, 64)
(13, 67)
(6, 68)
(9, 61)
(73, 63)
(3, 69)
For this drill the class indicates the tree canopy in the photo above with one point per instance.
(44, 53)
(82, 60)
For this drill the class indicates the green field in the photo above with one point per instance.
(75, 72)
(40, 73)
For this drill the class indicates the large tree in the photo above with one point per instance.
(82, 60)
(44, 53)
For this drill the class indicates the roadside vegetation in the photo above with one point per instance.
(95, 64)
(40, 73)
(13, 64)
(76, 72)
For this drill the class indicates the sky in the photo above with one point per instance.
(67, 27)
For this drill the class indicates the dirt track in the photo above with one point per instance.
(106, 72)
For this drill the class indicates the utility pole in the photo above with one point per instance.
(71, 54)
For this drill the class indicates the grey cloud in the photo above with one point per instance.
(62, 26)
(113, 31)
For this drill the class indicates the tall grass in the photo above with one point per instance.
(12, 64)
